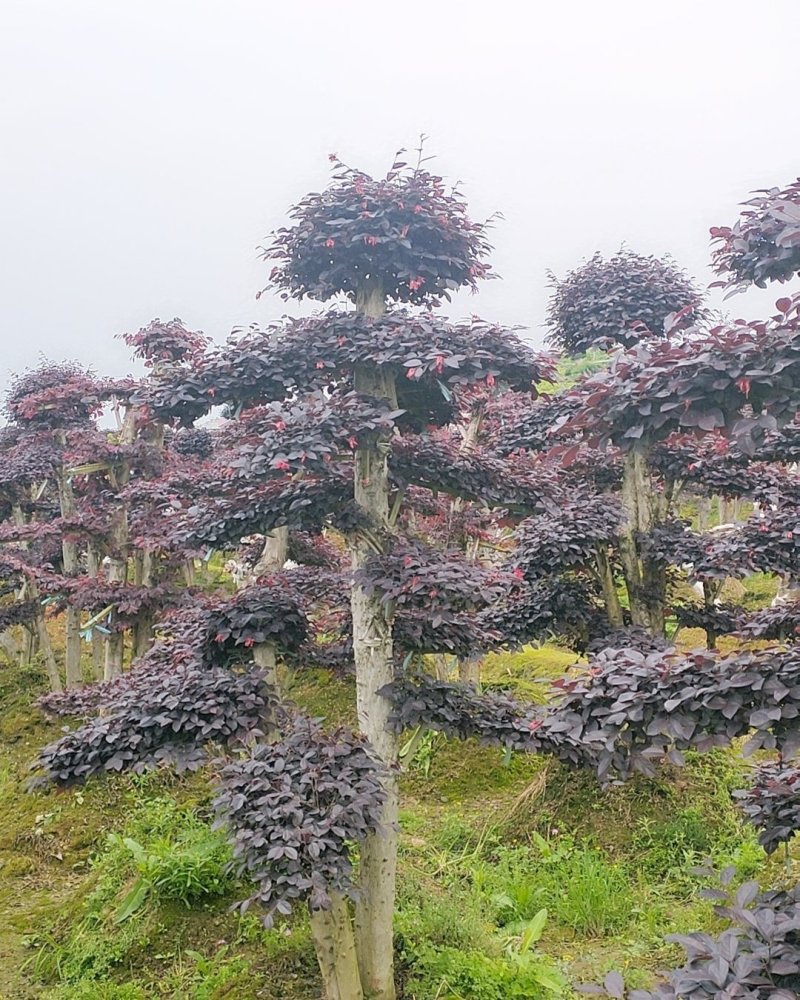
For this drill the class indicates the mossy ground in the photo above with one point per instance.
(486, 843)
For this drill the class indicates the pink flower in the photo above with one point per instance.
(371, 241)
(282, 464)
(330, 243)
(416, 283)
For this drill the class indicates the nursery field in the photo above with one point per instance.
(516, 877)
(373, 655)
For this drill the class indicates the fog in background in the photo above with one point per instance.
(149, 147)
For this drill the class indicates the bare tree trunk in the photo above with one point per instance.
(609, 585)
(703, 513)
(98, 646)
(710, 592)
(373, 655)
(469, 669)
(9, 645)
(28, 644)
(31, 592)
(441, 666)
(332, 932)
(69, 557)
(142, 638)
(645, 579)
(117, 573)
(119, 543)
(271, 560)
(46, 649)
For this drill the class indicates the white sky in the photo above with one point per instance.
(148, 147)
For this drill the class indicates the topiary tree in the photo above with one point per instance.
(339, 421)
(622, 300)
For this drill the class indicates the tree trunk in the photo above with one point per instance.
(118, 543)
(69, 557)
(441, 666)
(31, 592)
(98, 645)
(143, 627)
(373, 655)
(271, 560)
(645, 579)
(610, 595)
(332, 932)
(117, 573)
(46, 649)
(710, 592)
(469, 669)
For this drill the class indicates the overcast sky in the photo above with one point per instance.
(148, 147)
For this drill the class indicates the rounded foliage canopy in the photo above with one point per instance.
(620, 301)
(406, 231)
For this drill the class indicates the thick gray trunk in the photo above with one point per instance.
(646, 580)
(373, 655)
(271, 560)
(334, 943)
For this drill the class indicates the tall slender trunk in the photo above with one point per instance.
(31, 592)
(143, 627)
(118, 556)
(98, 646)
(710, 592)
(265, 655)
(117, 573)
(469, 667)
(69, 558)
(271, 560)
(373, 655)
(332, 931)
(645, 579)
(609, 586)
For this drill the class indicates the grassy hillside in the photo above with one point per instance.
(119, 891)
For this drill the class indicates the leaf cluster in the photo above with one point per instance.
(406, 231)
(764, 244)
(620, 301)
(293, 808)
